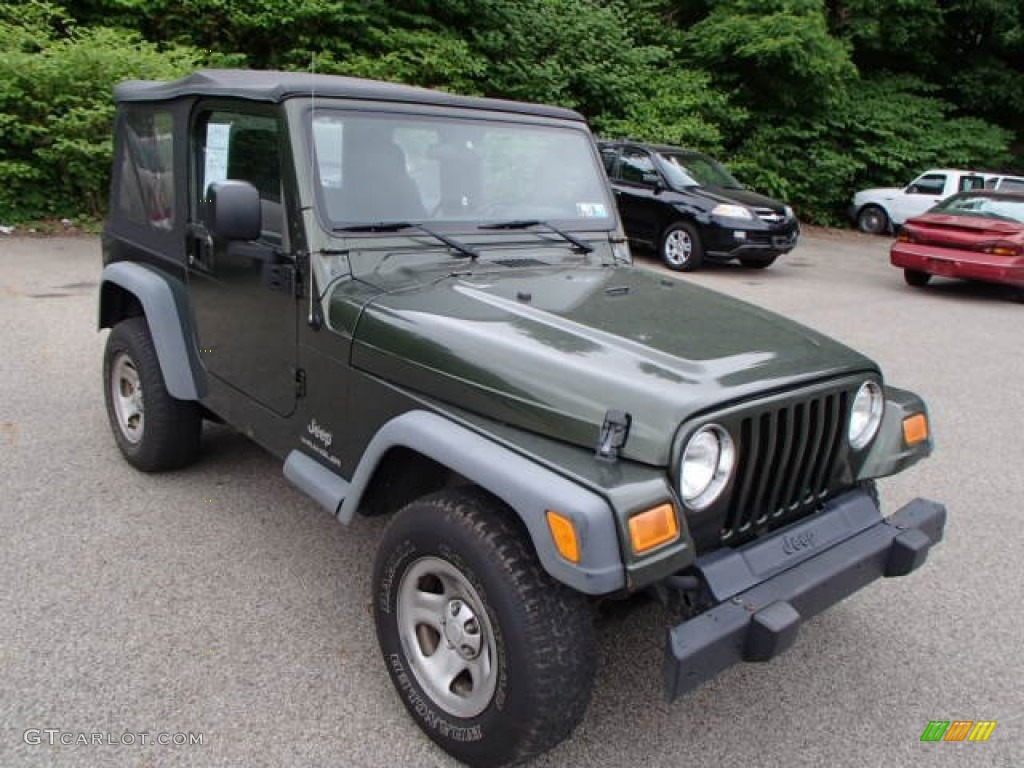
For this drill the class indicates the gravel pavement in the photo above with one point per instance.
(220, 604)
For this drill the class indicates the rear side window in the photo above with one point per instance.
(971, 182)
(146, 168)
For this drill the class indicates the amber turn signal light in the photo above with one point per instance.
(652, 528)
(915, 429)
(563, 533)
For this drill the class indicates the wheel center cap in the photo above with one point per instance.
(461, 629)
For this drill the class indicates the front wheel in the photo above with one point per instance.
(873, 220)
(492, 657)
(681, 249)
(153, 430)
(916, 278)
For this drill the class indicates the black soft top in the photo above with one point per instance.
(271, 86)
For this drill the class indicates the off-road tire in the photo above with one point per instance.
(916, 278)
(544, 656)
(167, 435)
(681, 249)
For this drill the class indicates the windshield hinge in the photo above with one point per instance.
(613, 436)
(300, 382)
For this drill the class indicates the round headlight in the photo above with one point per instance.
(866, 414)
(707, 463)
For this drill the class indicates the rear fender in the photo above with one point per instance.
(164, 302)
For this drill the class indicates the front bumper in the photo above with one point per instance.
(765, 590)
(726, 239)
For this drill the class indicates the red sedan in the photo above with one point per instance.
(976, 235)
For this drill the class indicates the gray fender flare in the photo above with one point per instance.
(165, 302)
(529, 488)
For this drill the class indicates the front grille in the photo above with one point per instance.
(769, 216)
(787, 459)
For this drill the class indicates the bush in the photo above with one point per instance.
(56, 109)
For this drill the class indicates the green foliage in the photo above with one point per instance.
(56, 109)
(776, 54)
(576, 53)
(809, 99)
(677, 106)
(418, 57)
(267, 33)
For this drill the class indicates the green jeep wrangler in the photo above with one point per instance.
(423, 304)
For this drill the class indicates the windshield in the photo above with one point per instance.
(692, 169)
(376, 169)
(990, 207)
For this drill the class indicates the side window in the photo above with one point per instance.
(146, 172)
(243, 147)
(636, 167)
(929, 184)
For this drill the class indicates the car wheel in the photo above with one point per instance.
(493, 658)
(916, 278)
(873, 220)
(757, 262)
(681, 249)
(153, 430)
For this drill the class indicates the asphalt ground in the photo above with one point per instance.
(219, 602)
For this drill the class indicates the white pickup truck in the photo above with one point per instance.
(881, 210)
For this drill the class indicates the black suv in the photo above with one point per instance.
(689, 207)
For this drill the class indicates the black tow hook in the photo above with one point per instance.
(682, 582)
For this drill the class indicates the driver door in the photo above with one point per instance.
(242, 294)
(924, 192)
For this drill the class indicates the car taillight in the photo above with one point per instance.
(906, 236)
(1004, 249)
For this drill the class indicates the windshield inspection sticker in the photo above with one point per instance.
(592, 210)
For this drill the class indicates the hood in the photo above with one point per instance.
(551, 350)
(743, 196)
(878, 192)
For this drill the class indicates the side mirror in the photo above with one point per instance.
(654, 179)
(232, 210)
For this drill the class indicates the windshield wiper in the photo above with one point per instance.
(398, 226)
(577, 244)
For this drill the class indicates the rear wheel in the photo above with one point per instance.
(873, 220)
(681, 249)
(916, 278)
(153, 430)
(492, 657)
